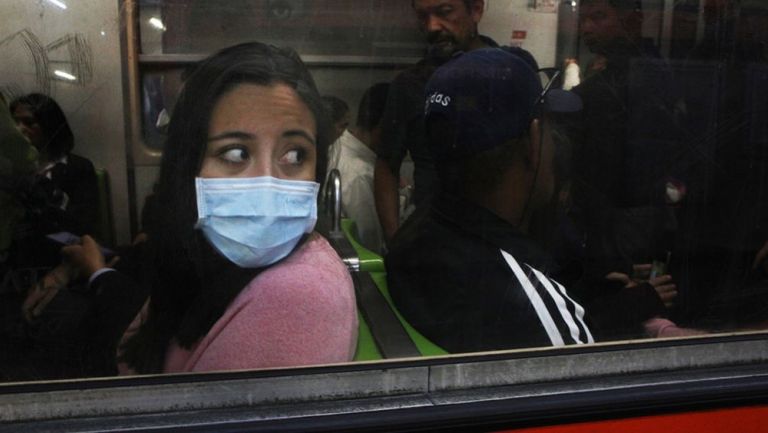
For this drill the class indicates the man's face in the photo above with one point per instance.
(449, 25)
(601, 26)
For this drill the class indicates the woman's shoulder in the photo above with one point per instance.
(314, 267)
(316, 252)
(298, 312)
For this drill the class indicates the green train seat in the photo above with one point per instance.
(372, 264)
(382, 330)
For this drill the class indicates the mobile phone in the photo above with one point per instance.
(660, 267)
(67, 238)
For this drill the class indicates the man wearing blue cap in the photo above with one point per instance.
(465, 273)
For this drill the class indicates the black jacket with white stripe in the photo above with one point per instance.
(469, 281)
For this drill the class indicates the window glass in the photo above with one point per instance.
(601, 176)
(311, 27)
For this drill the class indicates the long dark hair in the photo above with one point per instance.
(57, 135)
(191, 285)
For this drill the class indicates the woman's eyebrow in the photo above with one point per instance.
(232, 134)
(299, 133)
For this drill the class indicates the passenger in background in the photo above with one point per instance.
(18, 161)
(464, 273)
(355, 160)
(67, 326)
(238, 278)
(724, 229)
(339, 111)
(623, 155)
(64, 196)
(449, 26)
(69, 179)
(572, 74)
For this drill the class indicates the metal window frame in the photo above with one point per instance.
(602, 380)
(514, 388)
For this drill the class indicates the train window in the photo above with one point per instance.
(616, 192)
(375, 36)
(312, 28)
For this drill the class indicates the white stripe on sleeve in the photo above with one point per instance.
(579, 312)
(561, 305)
(538, 304)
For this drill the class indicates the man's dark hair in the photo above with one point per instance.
(372, 105)
(336, 107)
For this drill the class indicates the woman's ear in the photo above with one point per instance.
(533, 146)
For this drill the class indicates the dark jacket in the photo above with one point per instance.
(469, 281)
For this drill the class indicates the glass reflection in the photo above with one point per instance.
(657, 223)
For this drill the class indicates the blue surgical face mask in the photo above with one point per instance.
(256, 221)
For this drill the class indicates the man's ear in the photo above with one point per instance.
(533, 147)
(476, 11)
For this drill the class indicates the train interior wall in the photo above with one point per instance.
(38, 38)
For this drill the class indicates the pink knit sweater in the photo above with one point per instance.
(300, 312)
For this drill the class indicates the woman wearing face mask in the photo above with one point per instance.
(238, 278)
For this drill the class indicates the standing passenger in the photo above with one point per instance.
(618, 205)
(625, 152)
(355, 159)
(339, 111)
(450, 26)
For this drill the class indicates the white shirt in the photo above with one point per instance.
(355, 161)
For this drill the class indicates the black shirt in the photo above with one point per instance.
(469, 281)
(403, 126)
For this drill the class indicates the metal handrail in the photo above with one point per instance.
(333, 200)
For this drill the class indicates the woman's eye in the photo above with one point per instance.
(293, 157)
(234, 156)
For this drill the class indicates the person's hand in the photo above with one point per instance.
(46, 289)
(621, 278)
(140, 238)
(665, 288)
(86, 258)
(659, 327)
(640, 274)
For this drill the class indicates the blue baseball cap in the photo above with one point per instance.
(488, 96)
